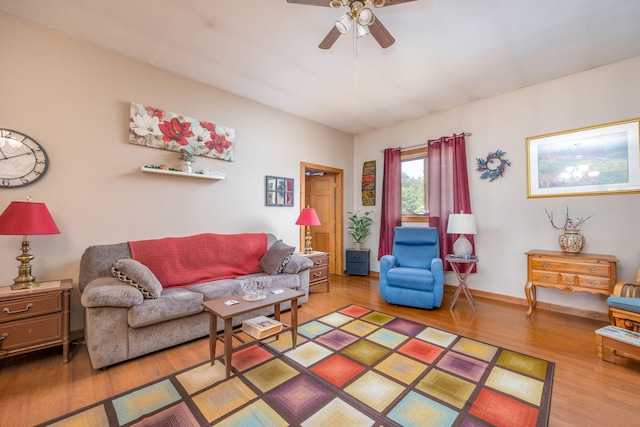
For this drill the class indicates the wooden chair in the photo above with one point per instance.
(624, 305)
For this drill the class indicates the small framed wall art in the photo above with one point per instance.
(278, 191)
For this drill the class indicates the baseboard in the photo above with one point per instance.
(573, 311)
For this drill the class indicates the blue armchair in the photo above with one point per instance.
(413, 275)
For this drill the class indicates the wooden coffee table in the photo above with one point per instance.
(218, 308)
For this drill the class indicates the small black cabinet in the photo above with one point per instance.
(358, 262)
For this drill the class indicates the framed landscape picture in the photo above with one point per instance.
(603, 159)
(278, 191)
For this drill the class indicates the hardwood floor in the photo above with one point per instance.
(586, 391)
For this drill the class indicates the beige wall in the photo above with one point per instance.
(73, 98)
(508, 223)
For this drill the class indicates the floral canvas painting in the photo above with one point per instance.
(154, 127)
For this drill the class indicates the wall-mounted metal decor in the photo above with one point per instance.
(278, 191)
(493, 166)
(595, 160)
(153, 127)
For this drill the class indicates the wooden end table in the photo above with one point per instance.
(34, 319)
(455, 262)
(319, 272)
(218, 308)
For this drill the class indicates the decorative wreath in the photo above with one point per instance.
(492, 174)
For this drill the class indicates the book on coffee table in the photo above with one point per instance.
(261, 326)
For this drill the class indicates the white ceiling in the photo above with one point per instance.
(447, 52)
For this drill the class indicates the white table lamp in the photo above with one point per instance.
(462, 224)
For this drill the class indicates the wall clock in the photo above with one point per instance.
(22, 160)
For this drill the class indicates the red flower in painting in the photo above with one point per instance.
(219, 143)
(208, 126)
(176, 131)
(155, 112)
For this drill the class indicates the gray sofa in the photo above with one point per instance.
(121, 322)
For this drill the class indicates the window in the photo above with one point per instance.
(415, 198)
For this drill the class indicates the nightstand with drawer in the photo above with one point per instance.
(319, 272)
(34, 319)
(358, 262)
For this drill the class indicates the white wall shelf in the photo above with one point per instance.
(217, 176)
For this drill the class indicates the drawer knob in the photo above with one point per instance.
(4, 336)
(544, 264)
(593, 282)
(8, 311)
(545, 277)
(317, 274)
(317, 262)
(593, 269)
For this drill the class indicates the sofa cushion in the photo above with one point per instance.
(276, 258)
(110, 292)
(172, 304)
(133, 273)
(411, 278)
(622, 303)
(218, 288)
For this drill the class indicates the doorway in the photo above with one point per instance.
(322, 189)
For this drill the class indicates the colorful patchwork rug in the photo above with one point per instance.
(351, 367)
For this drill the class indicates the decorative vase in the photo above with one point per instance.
(571, 242)
(357, 245)
(186, 167)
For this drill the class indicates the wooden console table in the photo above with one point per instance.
(595, 274)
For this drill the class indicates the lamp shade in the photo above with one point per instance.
(461, 224)
(344, 23)
(308, 216)
(27, 218)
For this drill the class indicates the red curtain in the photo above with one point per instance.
(391, 215)
(448, 187)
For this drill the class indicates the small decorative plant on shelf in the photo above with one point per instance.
(186, 156)
(359, 228)
(571, 241)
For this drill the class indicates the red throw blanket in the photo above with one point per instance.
(184, 261)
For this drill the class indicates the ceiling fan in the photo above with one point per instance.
(360, 13)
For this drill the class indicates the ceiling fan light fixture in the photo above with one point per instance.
(365, 16)
(362, 30)
(344, 23)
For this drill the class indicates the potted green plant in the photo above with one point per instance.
(186, 155)
(359, 228)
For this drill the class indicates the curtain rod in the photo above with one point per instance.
(426, 143)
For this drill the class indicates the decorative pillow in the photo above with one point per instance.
(276, 257)
(297, 263)
(133, 273)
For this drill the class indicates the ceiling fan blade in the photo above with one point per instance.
(330, 39)
(381, 34)
(316, 2)
(392, 2)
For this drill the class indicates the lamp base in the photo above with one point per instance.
(462, 246)
(18, 286)
(24, 280)
(307, 242)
